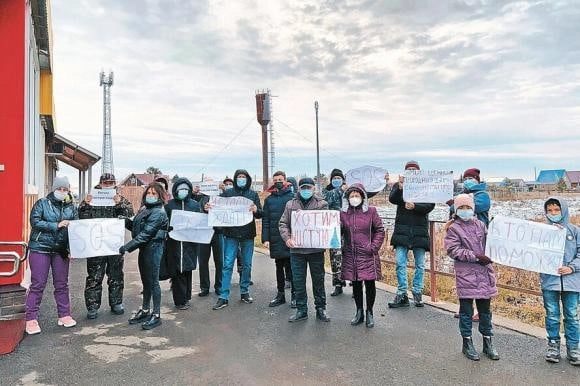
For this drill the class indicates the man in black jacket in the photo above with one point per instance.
(411, 232)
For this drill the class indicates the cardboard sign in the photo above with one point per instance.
(229, 211)
(103, 197)
(96, 237)
(428, 186)
(525, 244)
(211, 188)
(371, 177)
(316, 229)
(190, 226)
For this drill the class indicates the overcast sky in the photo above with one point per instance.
(451, 84)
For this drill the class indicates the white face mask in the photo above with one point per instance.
(355, 201)
(60, 195)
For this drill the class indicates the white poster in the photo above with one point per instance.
(371, 177)
(528, 245)
(229, 211)
(428, 186)
(211, 188)
(96, 237)
(103, 197)
(190, 226)
(316, 229)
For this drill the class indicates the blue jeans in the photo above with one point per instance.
(570, 309)
(401, 260)
(299, 265)
(231, 246)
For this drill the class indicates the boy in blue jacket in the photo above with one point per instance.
(563, 289)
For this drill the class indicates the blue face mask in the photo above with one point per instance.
(336, 183)
(182, 194)
(465, 214)
(151, 199)
(555, 218)
(241, 182)
(306, 193)
(468, 184)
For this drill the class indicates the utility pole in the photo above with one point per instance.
(106, 80)
(317, 150)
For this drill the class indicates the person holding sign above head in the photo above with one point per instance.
(364, 233)
(239, 238)
(333, 194)
(562, 289)
(274, 206)
(98, 266)
(181, 255)
(149, 230)
(48, 249)
(300, 258)
(411, 232)
(474, 275)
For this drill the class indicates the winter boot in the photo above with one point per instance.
(401, 300)
(488, 349)
(278, 300)
(358, 317)
(299, 316)
(418, 298)
(370, 319)
(573, 355)
(337, 291)
(553, 351)
(321, 315)
(468, 349)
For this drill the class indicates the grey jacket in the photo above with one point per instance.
(315, 203)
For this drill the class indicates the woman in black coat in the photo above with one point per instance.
(181, 255)
(149, 229)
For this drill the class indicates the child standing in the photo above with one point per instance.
(564, 288)
(474, 275)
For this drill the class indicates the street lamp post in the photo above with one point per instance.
(317, 150)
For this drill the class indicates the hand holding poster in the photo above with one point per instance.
(525, 244)
(371, 177)
(191, 227)
(229, 211)
(428, 186)
(211, 188)
(103, 197)
(96, 237)
(316, 229)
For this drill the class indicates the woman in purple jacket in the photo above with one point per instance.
(363, 234)
(474, 275)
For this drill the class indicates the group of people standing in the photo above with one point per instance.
(357, 261)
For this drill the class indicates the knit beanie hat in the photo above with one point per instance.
(228, 179)
(181, 186)
(463, 199)
(473, 173)
(60, 182)
(306, 181)
(336, 173)
(412, 164)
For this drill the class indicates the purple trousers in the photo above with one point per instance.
(40, 264)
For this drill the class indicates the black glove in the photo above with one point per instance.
(122, 250)
(484, 260)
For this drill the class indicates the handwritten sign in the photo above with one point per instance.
(316, 229)
(428, 186)
(103, 197)
(211, 188)
(371, 177)
(229, 211)
(96, 237)
(190, 226)
(525, 244)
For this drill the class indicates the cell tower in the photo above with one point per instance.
(107, 162)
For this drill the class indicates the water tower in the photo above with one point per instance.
(263, 110)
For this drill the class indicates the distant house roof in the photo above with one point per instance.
(574, 176)
(143, 179)
(495, 180)
(550, 176)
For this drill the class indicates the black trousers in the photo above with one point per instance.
(215, 249)
(371, 292)
(97, 267)
(466, 313)
(283, 273)
(300, 263)
(181, 288)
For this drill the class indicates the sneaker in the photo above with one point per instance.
(140, 316)
(221, 303)
(154, 321)
(298, 316)
(118, 309)
(92, 314)
(418, 299)
(246, 298)
(553, 351)
(401, 300)
(32, 327)
(203, 293)
(573, 356)
(67, 322)
(185, 306)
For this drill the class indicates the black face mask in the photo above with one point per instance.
(279, 185)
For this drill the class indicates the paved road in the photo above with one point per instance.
(254, 344)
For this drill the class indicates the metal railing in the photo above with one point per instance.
(13, 256)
